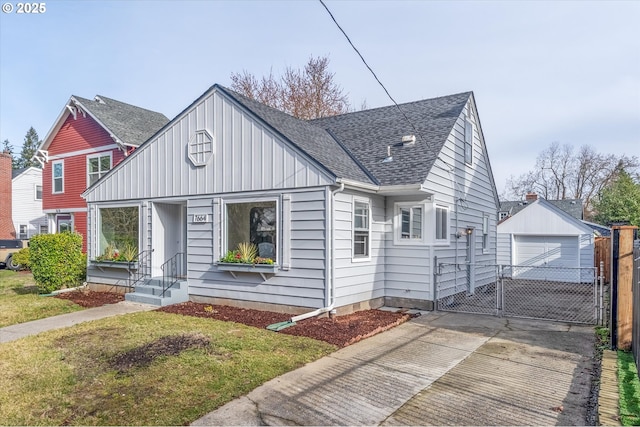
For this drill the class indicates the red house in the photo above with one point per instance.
(88, 138)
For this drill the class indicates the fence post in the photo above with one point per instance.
(621, 289)
(601, 305)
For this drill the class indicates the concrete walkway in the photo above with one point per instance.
(438, 369)
(21, 330)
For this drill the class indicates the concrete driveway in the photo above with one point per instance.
(437, 369)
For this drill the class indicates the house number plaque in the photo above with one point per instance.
(201, 218)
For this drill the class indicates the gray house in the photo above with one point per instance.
(353, 209)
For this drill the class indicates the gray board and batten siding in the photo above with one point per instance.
(261, 154)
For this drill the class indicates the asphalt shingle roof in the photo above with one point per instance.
(313, 140)
(17, 172)
(132, 125)
(572, 207)
(367, 134)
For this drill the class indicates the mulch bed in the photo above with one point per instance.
(339, 330)
(89, 299)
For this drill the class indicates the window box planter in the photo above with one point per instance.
(261, 269)
(126, 265)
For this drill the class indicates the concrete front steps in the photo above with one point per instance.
(150, 292)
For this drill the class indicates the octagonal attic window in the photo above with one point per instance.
(200, 148)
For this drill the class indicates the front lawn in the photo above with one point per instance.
(148, 368)
(19, 300)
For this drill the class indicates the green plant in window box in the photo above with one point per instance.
(129, 253)
(247, 253)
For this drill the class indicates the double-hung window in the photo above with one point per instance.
(57, 176)
(410, 219)
(485, 233)
(97, 166)
(442, 224)
(361, 229)
(38, 192)
(468, 141)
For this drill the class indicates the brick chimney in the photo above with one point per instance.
(531, 197)
(6, 223)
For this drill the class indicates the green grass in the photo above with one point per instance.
(19, 300)
(69, 376)
(629, 387)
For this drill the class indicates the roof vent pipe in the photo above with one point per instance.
(408, 140)
(389, 158)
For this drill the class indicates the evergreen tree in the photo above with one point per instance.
(619, 202)
(29, 147)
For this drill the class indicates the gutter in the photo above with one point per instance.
(331, 296)
(383, 189)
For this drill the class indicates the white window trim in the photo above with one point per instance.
(446, 241)
(223, 226)
(354, 257)
(485, 232)
(53, 177)
(64, 214)
(35, 191)
(98, 156)
(468, 141)
(26, 233)
(502, 215)
(397, 226)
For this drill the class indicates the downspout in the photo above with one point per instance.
(329, 308)
(332, 289)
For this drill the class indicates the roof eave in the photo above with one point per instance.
(385, 190)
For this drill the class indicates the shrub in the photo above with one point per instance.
(57, 261)
(22, 257)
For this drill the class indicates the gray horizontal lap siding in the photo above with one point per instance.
(408, 267)
(504, 249)
(471, 183)
(302, 285)
(357, 281)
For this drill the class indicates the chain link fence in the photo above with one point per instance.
(550, 293)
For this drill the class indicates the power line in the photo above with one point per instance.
(371, 70)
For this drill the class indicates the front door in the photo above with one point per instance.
(168, 234)
(64, 223)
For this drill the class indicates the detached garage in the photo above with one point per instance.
(542, 235)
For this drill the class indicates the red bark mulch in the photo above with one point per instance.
(340, 330)
(89, 299)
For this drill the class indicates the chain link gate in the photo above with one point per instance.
(547, 293)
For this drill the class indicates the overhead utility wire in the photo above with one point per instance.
(385, 89)
(372, 72)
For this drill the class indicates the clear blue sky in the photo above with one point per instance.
(541, 71)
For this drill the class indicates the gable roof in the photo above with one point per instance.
(314, 140)
(577, 222)
(127, 124)
(367, 134)
(130, 124)
(17, 172)
(572, 207)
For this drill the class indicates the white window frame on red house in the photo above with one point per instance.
(54, 178)
(100, 172)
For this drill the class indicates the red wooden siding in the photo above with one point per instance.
(74, 135)
(82, 133)
(79, 134)
(80, 226)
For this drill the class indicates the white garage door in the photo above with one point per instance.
(547, 251)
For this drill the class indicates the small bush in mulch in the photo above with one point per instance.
(340, 330)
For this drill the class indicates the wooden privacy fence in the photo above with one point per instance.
(636, 304)
(602, 253)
